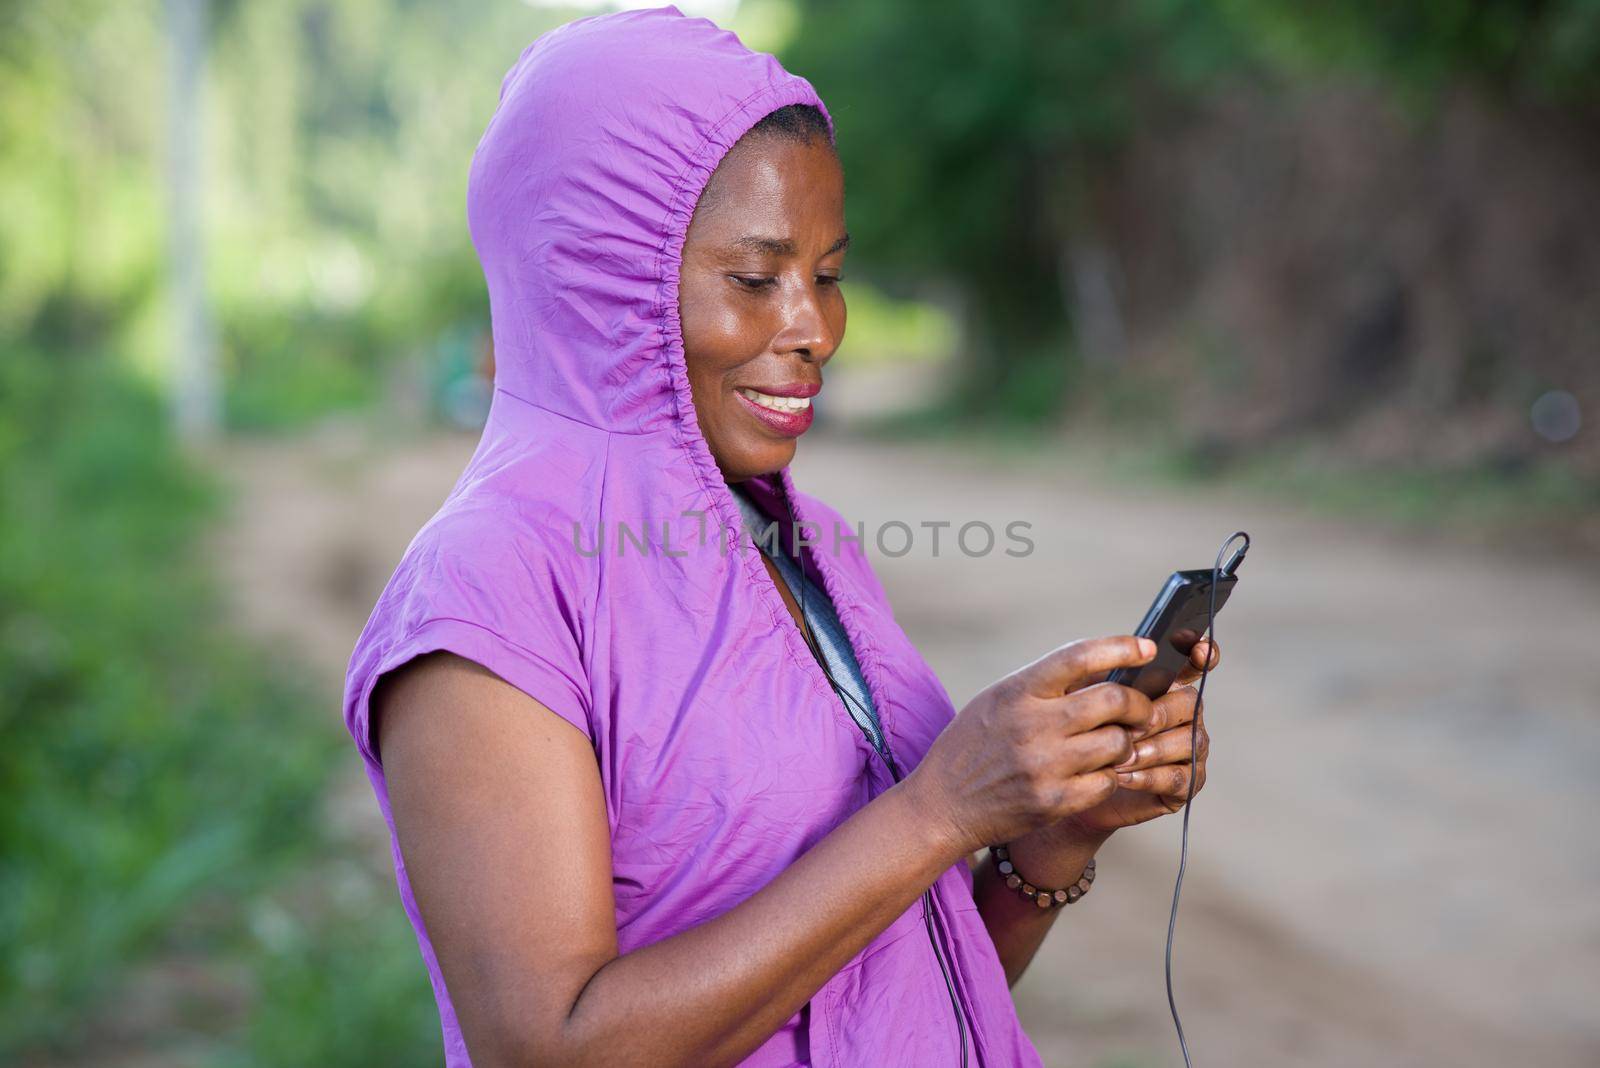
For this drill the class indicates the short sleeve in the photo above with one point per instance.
(488, 581)
(543, 662)
(537, 675)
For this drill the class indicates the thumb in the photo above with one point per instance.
(1077, 664)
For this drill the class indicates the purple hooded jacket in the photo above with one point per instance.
(592, 555)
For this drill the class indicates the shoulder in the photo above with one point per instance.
(495, 577)
(491, 558)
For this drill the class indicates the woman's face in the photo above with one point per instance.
(759, 298)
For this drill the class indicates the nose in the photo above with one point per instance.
(806, 332)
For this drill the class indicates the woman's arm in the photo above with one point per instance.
(502, 825)
(1054, 857)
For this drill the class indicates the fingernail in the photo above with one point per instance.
(1147, 647)
(1127, 778)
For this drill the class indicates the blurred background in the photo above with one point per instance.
(1138, 274)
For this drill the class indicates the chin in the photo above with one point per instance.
(757, 458)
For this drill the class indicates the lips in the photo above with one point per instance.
(784, 409)
(792, 389)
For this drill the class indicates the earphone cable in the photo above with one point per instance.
(1194, 761)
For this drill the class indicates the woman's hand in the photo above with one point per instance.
(1154, 780)
(1036, 747)
(1151, 782)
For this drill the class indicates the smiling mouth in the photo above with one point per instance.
(785, 405)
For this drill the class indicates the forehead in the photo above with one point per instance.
(774, 186)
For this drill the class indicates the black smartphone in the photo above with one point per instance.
(1175, 621)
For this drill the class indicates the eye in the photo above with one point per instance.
(753, 283)
(829, 279)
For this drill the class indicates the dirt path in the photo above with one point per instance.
(1392, 864)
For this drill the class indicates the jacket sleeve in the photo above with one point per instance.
(452, 592)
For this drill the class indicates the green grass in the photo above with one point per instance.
(164, 782)
(339, 979)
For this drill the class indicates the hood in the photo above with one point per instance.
(580, 194)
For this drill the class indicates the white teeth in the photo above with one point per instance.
(778, 404)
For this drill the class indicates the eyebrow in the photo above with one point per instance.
(782, 246)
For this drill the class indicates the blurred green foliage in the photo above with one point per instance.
(980, 165)
(1548, 51)
(339, 982)
(152, 766)
(337, 137)
(881, 330)
(976, 138)
(164, 784)
(336, 144)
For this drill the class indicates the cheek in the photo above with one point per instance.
(720, 335)
(707, 350)
(715, 335)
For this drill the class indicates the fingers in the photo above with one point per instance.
(1172, 708)
(1073, 664)
(1084, 791)
(1169, 781)
(1205, 647)
(1102, 747)
(1168, 747)
(1102, 704)
(1160, 765)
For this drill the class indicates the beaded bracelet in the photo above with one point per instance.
(1043, 898)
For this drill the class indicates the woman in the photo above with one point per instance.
(644, 810)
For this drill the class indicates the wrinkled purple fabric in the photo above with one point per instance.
(723, 753)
